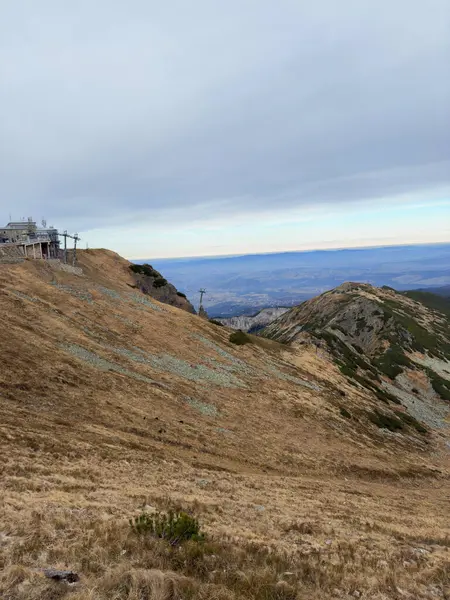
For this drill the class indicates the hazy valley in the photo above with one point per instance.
(244, 284)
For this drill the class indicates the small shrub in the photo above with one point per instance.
(391, 363)
(409, 420)
(385, 421)
(145, 270)
(159, 282)
(181, 294)
(136, 268)
(345, 413)
(240, 338)
(347, 371)
(174, 527)
(386, 397)
(440, 385)
(215, 322)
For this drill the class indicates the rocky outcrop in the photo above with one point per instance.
(254, 323)
(151, 282)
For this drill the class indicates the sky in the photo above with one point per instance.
(179, 128)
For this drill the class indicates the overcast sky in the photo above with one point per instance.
(169, 128)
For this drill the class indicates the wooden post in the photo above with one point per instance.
(34, 251)
(75, 240)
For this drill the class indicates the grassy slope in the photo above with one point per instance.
(111, 402)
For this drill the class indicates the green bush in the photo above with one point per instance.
(392, 361)
(386, 397)
(145, 270)
(440, 385)
(385, 421)
(159, 282)
(240, 338)
(174, 527)
(347, 371)
(181, 294)
(409, 420)
(344, 412)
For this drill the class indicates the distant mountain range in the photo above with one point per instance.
(443, 290)
(244, 284)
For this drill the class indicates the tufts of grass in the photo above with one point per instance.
(174, 527)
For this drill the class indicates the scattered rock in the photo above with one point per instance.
(66, 576)
(203, 482)
(288, 576)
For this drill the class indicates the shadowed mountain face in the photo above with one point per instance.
(244, 284)
(381, 340)
(304, 478)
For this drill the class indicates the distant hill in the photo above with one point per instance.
(387, 342)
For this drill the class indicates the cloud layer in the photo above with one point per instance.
(121, 112)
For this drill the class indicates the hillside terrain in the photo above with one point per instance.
(254, 323)
(382, 340)
(152, 283)
(113, 404)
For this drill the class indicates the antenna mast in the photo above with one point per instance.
(202, 291)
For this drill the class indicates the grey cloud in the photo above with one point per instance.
(113, 112)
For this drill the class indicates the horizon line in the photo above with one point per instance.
(333, 249)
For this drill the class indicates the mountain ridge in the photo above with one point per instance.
(383, 340)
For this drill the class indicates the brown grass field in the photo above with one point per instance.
(112, 404)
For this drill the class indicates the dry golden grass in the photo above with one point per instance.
(297, 501)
